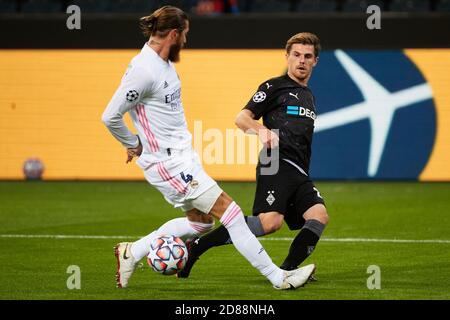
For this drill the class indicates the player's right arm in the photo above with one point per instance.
(135, 84)
(246, 120)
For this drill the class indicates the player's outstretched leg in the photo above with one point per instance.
(128, 254)
(218, 237)
(304, 243)
(231, 217)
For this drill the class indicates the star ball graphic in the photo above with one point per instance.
(376, 116)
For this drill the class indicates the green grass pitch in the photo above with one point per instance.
(36, 267)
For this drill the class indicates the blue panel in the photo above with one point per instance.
(340, 154)
(389, 68)
(410, 142)
(343, 151)
(331, 85)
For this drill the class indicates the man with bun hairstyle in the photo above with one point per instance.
(150, 91)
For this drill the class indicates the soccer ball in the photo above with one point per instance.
(33, 168)
(168, 254)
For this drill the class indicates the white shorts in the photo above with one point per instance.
(183, 182)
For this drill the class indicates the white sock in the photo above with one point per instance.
(247, 244)
(141, 247)
(179, 227)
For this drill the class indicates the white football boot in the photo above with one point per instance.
(126, 264)
(296, 278)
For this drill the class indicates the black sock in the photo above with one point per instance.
(303, 244)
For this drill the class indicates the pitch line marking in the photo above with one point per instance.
(325, 239)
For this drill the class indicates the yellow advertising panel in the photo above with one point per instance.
(51, 102)
(435, 66)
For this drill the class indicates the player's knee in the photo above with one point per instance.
(317, 212)
(322, 215)
(271, 223)
(222, 203)
(195, 215)
(325, 218)
(207, 219)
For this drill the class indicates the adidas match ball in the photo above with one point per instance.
(168, 254)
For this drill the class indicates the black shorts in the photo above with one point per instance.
(288, 192)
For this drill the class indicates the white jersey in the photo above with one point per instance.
(150, 91)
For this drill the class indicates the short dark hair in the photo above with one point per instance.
(163, 20)
(304, 38)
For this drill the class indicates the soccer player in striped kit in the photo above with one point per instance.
(150, 91)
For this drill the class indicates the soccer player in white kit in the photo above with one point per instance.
(150, 91)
